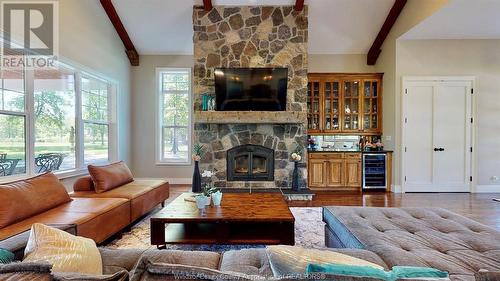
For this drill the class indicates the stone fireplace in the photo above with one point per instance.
(250, 162)
(251, 149)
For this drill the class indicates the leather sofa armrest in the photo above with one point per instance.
(84, 184)
(17, 243)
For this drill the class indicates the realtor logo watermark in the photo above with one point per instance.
(30, 34)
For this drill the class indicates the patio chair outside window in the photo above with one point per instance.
(48, 162)
(7, 166)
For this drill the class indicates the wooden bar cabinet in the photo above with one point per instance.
(344, 104)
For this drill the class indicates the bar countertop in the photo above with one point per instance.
(326, 150)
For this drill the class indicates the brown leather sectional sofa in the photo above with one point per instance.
(43, 199)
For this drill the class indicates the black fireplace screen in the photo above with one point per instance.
(250, 163)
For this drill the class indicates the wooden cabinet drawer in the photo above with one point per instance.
(353, 155)
(326, 155)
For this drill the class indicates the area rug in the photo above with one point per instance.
(309, 233)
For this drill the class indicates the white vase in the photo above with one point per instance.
(208, 200)
(201, 201)
(217, 198)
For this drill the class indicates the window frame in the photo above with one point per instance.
(110, 114)
(30, 138)
(159, 98)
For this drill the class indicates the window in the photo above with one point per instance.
(95, 120)
(54, 120)
(54, 115)
(174, 118)
(12, 123)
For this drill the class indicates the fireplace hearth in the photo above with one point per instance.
(250, 163)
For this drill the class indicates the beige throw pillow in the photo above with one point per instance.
(66, 252)
(293, 260)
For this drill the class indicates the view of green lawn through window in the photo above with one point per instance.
(12, 123)
(53, 111)
(54, 114)
(175, 90)
(95, 119)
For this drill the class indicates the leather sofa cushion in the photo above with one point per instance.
(78, 211)
(144, 194)
(84, 184)
(130, 190)
(110, 176)
(25, 198)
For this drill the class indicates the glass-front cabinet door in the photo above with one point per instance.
(314, 106)
(351, 104)
(331, 122)
(344, 103)
(371, 103)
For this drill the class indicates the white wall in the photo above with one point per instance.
(339, 63)
(87, 38)
(479, 58)
(144, 104)
(414, 12)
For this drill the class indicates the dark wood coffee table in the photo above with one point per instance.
(242, 218)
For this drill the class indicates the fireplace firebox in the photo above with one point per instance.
(250, 163)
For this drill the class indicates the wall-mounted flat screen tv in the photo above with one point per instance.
(251, 89)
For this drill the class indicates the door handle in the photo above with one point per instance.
(438, 149)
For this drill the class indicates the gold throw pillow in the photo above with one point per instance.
(66, 252)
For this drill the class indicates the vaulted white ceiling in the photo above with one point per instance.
(461, 19)
(335, 26)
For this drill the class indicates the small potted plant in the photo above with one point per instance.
(201, 201)
(216, 196)
(203, 198)
(207, 174)
(207, 191)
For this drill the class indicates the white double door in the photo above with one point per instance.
(437, 135)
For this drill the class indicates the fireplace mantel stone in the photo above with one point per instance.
(250, 117)
(248, 37)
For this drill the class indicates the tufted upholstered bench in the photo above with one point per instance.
(430, 237)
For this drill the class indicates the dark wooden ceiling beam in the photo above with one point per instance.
(130, 50)
(207, 4)
(393, 15)
(299, 5)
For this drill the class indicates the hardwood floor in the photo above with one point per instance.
(479, 206)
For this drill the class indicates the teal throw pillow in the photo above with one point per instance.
(397, 272)
(6, 256)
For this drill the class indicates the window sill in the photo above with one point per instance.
(174, 164)
(71, 173)
(60, 175)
